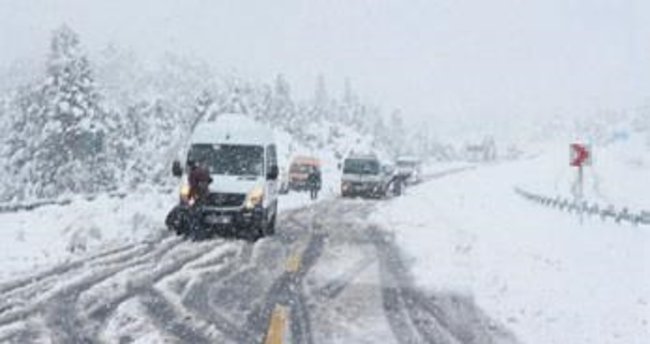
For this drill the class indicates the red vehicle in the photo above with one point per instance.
(299, 171)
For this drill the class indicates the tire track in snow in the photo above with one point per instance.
(58, 270)
(101, 308)
(36, 293)
(334, 288)
(198, 302)
(414, 317)
(170, 321)
(61, 310)
(288, 290)
(31, 286)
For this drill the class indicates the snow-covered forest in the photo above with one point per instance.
(82, 124)
(86, 126)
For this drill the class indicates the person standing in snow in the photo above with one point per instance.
(314, 182)
(398, 181)
(199, 181)
(183, 218)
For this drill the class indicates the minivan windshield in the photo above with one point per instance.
(300, 168)
(361, 166)
(406, 163)
(235, 160)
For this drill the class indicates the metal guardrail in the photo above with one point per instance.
(618, 214)
(28, 206)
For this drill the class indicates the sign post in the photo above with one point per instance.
(580, 156)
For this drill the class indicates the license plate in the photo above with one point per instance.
(218, 219)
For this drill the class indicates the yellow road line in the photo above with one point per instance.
(277, 325)
(293, 263)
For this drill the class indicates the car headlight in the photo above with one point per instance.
(254, 197)
(185, 192)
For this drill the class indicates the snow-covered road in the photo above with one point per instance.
(549, 277)
(329, 276)
(460, 258)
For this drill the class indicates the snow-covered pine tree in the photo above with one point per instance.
(283, 110)
(352, 112)
(21, 142)
(232, 98)
(379, 130)
(349, 101)
(202, 107)
(320, 102)
(7, 114)
(264, 104)
(398, 133)
(257, 101)
(59, 141)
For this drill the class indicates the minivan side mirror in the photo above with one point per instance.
(177, 169)
(339, 166)
(273, 173)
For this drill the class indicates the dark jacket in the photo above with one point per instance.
(314, 179)
(199, 180)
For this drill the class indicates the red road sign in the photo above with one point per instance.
(580, 155)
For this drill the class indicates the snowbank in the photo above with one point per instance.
(54, 234)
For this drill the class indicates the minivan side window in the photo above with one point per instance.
(271, 157)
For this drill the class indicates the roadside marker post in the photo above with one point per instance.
(580, 156)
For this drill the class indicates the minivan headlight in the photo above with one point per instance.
(185, 192)
(254, 197)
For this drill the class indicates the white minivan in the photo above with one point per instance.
(241, 157)
(410, 169)
(364, 175)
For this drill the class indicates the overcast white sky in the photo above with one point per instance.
(436, 59)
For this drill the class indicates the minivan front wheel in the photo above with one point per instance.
(259, 230)
(270, 227)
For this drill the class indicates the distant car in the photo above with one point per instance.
(389, 168)
(410, 169)
(363, 175)
(241, 157)
(299, 171)
(392, 175)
